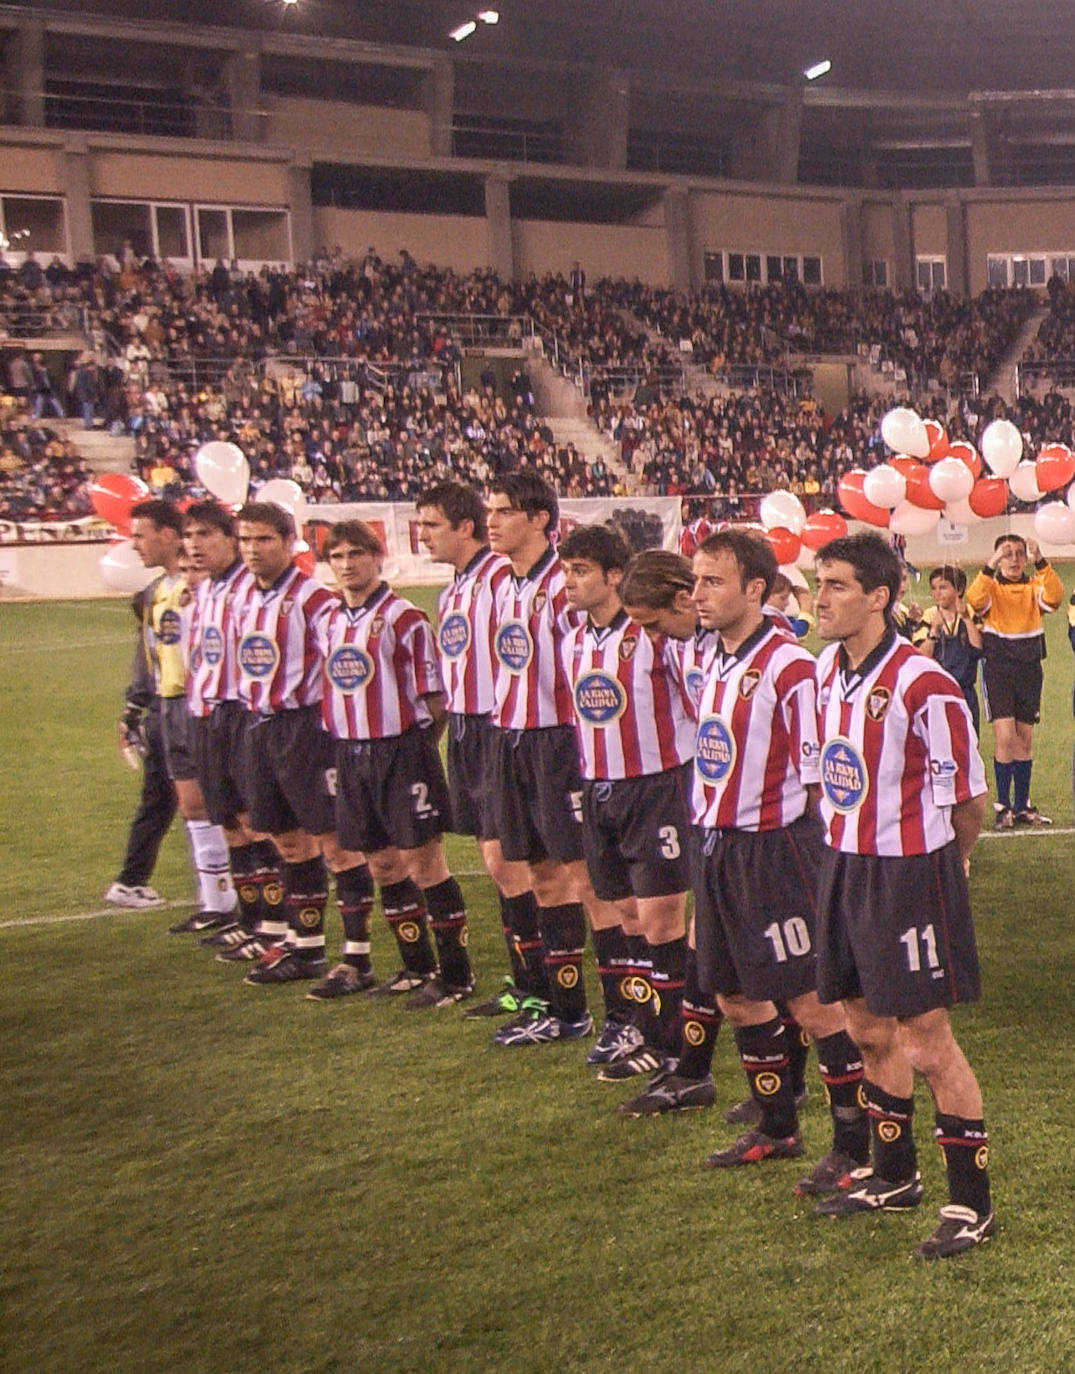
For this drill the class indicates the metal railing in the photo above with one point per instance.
(30, 322)
(373, 376)
(474, 330)
(1059, 371)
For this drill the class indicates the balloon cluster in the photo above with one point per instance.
(789, 529)
(928, 475)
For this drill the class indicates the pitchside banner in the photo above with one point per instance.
(646, 522)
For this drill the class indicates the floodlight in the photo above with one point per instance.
(818, 69)
(463, 31)
(489, 16)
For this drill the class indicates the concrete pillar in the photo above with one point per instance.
(956, 248)
(903, 274)
(77, 190)
(677, 230)
(851, 234)
(597, 126)
(300, 201)
(979, 142)
(500, 251)
(24, 73)
(439, 101)
(243, 77)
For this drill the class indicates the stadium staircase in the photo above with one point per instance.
(103, 452)
(1004, 381)
(563, 406)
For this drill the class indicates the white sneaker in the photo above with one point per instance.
(119, 894)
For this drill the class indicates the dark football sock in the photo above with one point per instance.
(354, 895)
(305, 894)
(563, 939)
(1020, 784)
(840, 1066)
(272, 920)
(613, 969)
(448, 918)
(405, 912)
(667, 977)
(965, 1147)
(798, 1043)
(894, 1156)
(244, 865)
(515, 959)
(700, 1020)
(1002, 772)
(763, 1054)
(527, 963)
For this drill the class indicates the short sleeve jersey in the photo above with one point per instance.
(532, 617)
(278, 650)
(466, 630)
(213, 647)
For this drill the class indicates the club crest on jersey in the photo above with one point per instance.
(454, 635)
(514, 647)
(258, 656)
(285, 608)
(843, 775)
(170, 627)
(695, 682)
(349, 668)
(599, 698)
(714, 749)
(212, 645)
(376, 625)
(538, 603)
(628, 647)
(877, 703)
(748, 682)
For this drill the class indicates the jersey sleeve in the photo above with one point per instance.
(956, 771)
(979, 594)
(421, 646)
(1050, 588)
(798, 698)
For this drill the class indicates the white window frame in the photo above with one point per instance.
(933, 261)
(17, 256)
(245, 264)
(185, 264)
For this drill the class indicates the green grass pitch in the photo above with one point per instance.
(201, 1176)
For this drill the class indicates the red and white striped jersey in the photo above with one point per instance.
(213, 641)
(380, 661)
(466, 629)
(688, 658)
(756, 748)
(532, 617)
(633, 714)
(279, 654)
(897, 751)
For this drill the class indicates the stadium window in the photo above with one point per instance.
(154, 230)
(34, 224)
(1037, 271)
(996, 271)
(753, 265)
(791, 269)
(931, 273)
(1058, 267)
(1020, 272)
(736, 267)
(875, 272)
(713, 265)
(252, 236)
(774, 267)
(811, 270)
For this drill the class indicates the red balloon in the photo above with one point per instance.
(966, 453)
(904, 464)
(822, 526)
(989, 496)
(854, 502)
(304, 558)
(784, 543)
(113, 494)
(1055, 467)
(919, 491)
(938, 441)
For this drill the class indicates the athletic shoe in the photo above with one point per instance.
(226, 937)
(506, 1003)
(645, 1060)
(754, 1146)
(254, 947)
(119, 894)
(341, 982)
(831, 1174)
(291, 967)
(667, 1092)
(1032, 816)
(201, 920)
(868, 1193)
(1003, 818)
(961, 1229)
(403, 980)
(533, 1027)
(748, 1113)
(438, 993)
(617, 1040)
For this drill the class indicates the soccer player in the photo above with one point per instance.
(902, 800)
(1011, 602)
(288, 756)
(384, 704)
(452, 529)
(952, 635)
(756, 851)
(537, 787)
(636, 736)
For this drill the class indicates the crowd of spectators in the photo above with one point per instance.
(42, 478)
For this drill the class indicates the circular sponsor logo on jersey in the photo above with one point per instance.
(349, 668)
(843, 775)
(212, 645)
(258, 656)
(599, 698)
(714, 749)
(454, 634)
(170, 627)
(514, 647)
(695, 683)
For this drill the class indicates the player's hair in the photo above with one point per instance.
(654, 578)
(874, 562)
(268, 513)
(456, 502)
(162, 515)
(355, 532)
(597, 544)
(948, 572)
(1009, 538)
(751, 551)
(781, 584)
(529, 493)
(209, 513)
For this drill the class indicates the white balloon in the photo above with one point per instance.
(782, 509)
(911, 519)
(1054, 523)
(1024, 482)
(1002, 447)
(960, 512)
(951, 479)
(283, 492)
(1071, 496)
(904, 432)
(223, 471)
(123, 569)
(884, 486)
